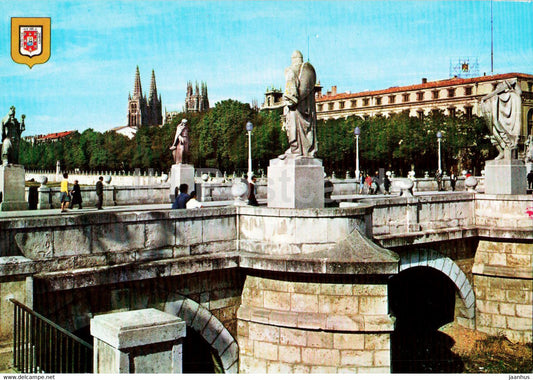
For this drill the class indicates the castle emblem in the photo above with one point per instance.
(30, 40)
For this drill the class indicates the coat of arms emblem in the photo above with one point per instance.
(30, 40)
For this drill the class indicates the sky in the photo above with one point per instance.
(239, 48)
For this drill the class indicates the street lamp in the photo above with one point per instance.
(357, 132)
(249, 128)
(439, 137)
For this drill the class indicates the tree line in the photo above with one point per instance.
(218, 139)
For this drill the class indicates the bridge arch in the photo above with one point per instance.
(208, 326)
(424, 257)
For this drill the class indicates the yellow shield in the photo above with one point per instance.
(30, 40)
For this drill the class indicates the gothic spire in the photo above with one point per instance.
(137, 89)
(153, 89)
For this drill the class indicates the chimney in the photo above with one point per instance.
(424, 80)
(333, 90)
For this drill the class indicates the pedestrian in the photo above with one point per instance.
(438, 178)
(65, 197)
(453, 180)
(181, 200)
(100, 193)
(386, 184)
(361, 182)
(252, 201)
(193, 202)
(368, 183)
(75, 193)
(375, 183)
(530, 179)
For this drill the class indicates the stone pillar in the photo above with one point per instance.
(505, 177)
(16, 281)
(12, 188)
(109, 196)
(139, 341)
(296, 183)
(181, 173)
(311, 327)
(43, 202)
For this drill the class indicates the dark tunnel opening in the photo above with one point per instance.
(422, 299)
(198, 355)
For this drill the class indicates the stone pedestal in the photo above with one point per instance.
(139, 341)
(505, 177)
(296, 183)
(43, 202)
(181, 173)
(12, 188)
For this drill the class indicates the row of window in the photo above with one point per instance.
(468, 111)
(435, 94)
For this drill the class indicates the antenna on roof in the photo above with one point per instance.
(491, 42)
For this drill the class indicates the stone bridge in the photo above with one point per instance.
(272, 290)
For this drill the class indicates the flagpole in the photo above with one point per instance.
(491, 41)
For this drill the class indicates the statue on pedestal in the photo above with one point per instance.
(503, 110)
(299, 108)
(180, 146)
(11, 132)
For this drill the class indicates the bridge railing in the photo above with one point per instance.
(41, 346)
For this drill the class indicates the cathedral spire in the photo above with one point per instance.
(153, 89)
(137, 89)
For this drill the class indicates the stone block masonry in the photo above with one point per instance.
(287, 326)
(504, 289)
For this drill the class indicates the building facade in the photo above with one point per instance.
(197, 101)
(449, 95)
(143, 111)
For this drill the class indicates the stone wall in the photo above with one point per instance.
(288, 231)
(102, 239)
(422, 219)
(313, 327)
(504, 289)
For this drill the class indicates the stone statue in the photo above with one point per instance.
(11, 131)
(503, 109)
(299, 108)
(180, 146)
(529, 148)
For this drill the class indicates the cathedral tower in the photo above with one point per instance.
(140, 110)
(198, 100)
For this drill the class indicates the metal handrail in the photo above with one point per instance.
(40, 345)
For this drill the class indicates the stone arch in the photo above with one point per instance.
(209, 327)
(422, 257)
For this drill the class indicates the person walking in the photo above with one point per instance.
(75, 193)
(361, 182)
(181, 200)
(65, 197)
(100, 193)
(368, 183)
(530, 179)
(438, 178)
(375, 183)
(386, 184)
(252, 201)
(453, 180)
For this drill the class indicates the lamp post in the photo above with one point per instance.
(357, 132)
(439, 137)
(249, 128)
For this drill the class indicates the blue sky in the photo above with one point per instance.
(242, 47)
